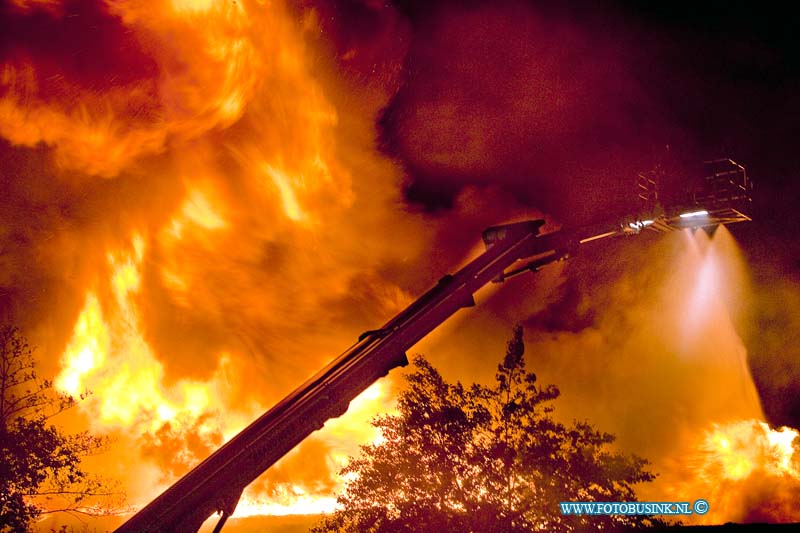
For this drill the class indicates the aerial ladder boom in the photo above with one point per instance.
(216, 484)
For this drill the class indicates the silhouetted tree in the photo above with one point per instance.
(483, 458)
(39, 464)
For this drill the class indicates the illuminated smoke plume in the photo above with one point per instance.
(196, 217)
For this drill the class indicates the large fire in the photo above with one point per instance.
(749, 471)
(245, 247)
(111, 357)
(114, 359)
(236, 227)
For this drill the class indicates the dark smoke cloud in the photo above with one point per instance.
(773, 339)
(505, 94)
(78, 42)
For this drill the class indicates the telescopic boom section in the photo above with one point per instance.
(216, 484)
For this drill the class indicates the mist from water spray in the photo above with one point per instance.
(643, 336)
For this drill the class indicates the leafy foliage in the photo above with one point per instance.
(39, 465)
(483, 458)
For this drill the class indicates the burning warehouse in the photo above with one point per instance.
(203, 202)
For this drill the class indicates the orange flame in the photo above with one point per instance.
(115, 359)
(739, 449)
(747, 472)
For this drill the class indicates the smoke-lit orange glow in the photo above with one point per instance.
(209, 71)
